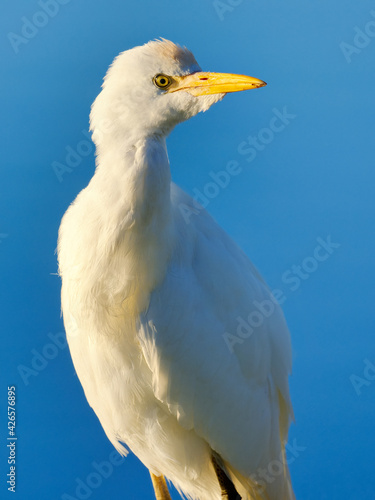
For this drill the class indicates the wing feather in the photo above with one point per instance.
(234, 396)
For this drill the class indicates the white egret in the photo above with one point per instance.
(182, 352)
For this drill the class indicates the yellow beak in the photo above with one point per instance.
(214, 83)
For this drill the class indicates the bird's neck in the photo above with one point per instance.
(133, 180)
(123, 221)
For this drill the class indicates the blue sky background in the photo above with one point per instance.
(315, 178)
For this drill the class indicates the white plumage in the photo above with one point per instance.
(149, 298)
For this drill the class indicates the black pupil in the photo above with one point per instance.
(163, 81)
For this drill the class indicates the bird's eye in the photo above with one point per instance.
(162, 81)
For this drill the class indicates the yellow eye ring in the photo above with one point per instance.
(162, 81)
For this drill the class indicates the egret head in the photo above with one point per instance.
(149, 89)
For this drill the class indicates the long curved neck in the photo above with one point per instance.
(133, 181)
(116, 239)
(130, 193)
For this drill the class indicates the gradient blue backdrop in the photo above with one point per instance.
(314, 179)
